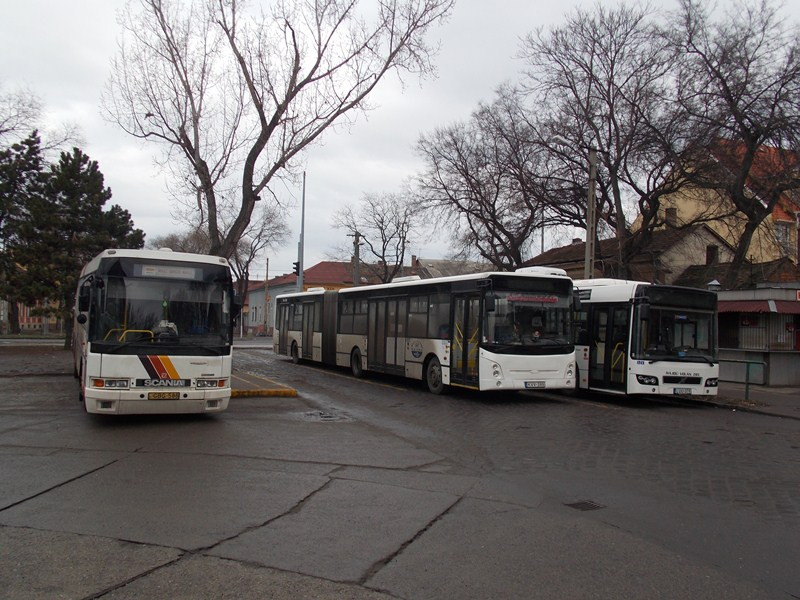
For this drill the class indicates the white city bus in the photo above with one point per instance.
(153, 332)
(640, 338)
(487, 331)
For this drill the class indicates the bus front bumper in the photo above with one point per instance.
(136, 402)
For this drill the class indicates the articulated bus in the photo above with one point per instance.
(153, 332)
(487, 331)
(641, 338)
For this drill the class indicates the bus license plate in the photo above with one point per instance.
(163, 395)
(682, 391)
(534, 384)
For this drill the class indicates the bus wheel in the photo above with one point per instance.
(355, 363)
(295, 353)
(433, 376)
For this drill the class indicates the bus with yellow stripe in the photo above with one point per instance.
(484, 331)
(153, 332)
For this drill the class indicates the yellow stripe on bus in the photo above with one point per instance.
(173, 374)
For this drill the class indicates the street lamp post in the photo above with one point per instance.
(300, 245)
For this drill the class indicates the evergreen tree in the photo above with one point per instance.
(59, 228)
(21, 185)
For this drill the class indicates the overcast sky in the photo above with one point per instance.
(61, 51)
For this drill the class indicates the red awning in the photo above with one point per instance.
(788, 307)
(785, 307)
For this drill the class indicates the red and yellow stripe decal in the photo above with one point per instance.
(159, 367)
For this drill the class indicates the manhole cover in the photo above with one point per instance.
(585, 505)
(324, 416)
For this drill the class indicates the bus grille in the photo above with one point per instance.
(679, 379)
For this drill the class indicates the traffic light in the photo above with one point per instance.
(296, 268)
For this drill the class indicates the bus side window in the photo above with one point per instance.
(582, 328)
(418, 316)
(439, 317)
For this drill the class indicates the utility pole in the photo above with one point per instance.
(591, 209)
(302, 234)
(356, 258)
(266, 299)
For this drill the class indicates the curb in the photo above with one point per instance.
(755, 409)
(252, 385)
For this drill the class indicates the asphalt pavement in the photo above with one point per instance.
(37, 356)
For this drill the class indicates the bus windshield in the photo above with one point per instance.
(528, 322)
(668, 333)
(145, 311)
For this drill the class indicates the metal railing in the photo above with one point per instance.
(748, 364)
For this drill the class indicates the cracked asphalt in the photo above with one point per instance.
(376, 489)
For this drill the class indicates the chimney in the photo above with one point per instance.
(712, 255)
(671, 217)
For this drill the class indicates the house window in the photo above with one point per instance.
(784, 238)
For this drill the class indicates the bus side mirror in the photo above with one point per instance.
(490, 303)
(81, 319)
(236, 305)
(84, 298)
(576, 303)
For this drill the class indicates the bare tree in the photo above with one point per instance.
(739, 85)
(602, 80)
(268, 230)
(383, 224)
(21, 113)
(485, 180)
(238, 96)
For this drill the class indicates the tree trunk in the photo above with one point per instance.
(740, 256)
(13, 317)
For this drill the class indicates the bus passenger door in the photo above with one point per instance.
(283, 326)
(464, 346)
(385, 333)
(608, 352)
(308, 329)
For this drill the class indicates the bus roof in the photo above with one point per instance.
(609, 290)
(395, 285)
(163, 254)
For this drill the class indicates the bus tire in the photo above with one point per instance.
(433, 376)
(355, 363)
(295, 353)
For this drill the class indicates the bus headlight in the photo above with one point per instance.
(497, 372)
(209, 383)
(570, 371)
(712, 382)
(116, 384)
(647, 379)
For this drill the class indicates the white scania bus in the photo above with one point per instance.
(487, 331)
(640, 338)
(153, 332)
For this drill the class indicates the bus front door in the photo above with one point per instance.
(464, 346)
(608, 353)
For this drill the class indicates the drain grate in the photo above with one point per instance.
(585, 505)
